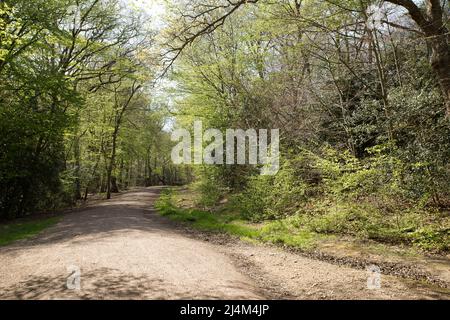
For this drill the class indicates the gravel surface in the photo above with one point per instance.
(125, 250)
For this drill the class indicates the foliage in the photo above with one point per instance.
(275, 232)
(75, 109)
(365, 199)
(365, 139)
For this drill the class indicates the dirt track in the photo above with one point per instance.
(125, 250)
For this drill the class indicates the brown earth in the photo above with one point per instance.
(125, 250)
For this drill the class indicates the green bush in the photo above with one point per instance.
(429, 238)
(255, 200)
(390, 195)
(273, 197)
(210, 186)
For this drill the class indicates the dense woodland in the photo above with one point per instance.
(76, 107)
(360, 90)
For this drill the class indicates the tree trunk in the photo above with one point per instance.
(111, 164)
(121, 179)
(114, 187)
(102, 184)
(127, 176)
(440, 61)
(77, 168)
(431, 23)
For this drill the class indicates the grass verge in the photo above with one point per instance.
(277, 232)
(22, 230)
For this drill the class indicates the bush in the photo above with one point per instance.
(432, 238)
(254, 202)
(272, 197)
(210, 186)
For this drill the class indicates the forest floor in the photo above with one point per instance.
(125, 249)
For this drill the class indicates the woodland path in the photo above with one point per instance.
(125, 250)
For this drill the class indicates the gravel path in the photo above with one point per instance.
(125, 250)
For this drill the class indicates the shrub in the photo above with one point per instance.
(210, 186)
